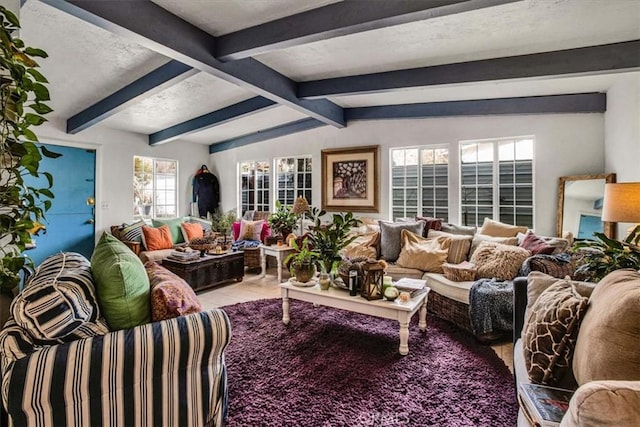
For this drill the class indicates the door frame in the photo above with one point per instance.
(43, 139)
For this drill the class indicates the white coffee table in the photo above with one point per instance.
(338, 298)
(279, 252)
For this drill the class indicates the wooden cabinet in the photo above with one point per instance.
(208, 271)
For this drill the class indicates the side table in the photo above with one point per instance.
(279, 252)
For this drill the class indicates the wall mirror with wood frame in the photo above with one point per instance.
(580, 199)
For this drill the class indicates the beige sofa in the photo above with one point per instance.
(605, 367)
(131, 235)
(448, 299)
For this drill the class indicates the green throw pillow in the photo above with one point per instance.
(122, 284)
(174, 226)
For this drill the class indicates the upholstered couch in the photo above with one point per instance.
(602, 322)
(131, 234)
(63, 362)
(449, 299)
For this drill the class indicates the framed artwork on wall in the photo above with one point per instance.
(350, 179)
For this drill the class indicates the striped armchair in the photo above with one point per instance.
(169, 373)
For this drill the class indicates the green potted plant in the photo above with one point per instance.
(222, 222)
(604, 255)
(22, 96)
(329, 239)
(283, 220)
(302, 263)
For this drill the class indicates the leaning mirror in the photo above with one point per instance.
(580, 205)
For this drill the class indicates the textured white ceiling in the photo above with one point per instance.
(219, 17)
(85, 63)
(263, 120)
(529, 26)
(193, 97)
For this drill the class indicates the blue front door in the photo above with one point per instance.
(70, 221)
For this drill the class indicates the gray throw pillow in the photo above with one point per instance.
(390, 242)
(458, 229)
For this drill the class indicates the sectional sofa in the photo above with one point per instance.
(581, 336)
(499, 249)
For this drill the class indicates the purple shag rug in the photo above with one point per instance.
(330, 367)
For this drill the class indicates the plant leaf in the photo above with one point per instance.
(48, 153)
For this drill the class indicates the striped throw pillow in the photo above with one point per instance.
(132, 232)
(59, 303)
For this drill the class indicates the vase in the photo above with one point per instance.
(303, 272)
(325, 281)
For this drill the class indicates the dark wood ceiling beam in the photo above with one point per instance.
(619, 57)
(336, 20)
(155, 28)
(552, 104)
(157, 80)
(264, 135)
(215, 118)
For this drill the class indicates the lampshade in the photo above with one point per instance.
(300, 205)
(621, 202)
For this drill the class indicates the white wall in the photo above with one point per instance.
(622, 133)
(566, 144)
(622, 128)
(114, 168)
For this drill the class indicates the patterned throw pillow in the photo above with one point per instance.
(390, 241)
(550, 333)
(59, 303)
(495, 260)
(157, 238)
(132, 232)
(421, 253)
(171, 296)
(536, 245)
(460, 245)
(481, 238)
(250, 230)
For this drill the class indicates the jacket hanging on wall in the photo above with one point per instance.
(206, 191)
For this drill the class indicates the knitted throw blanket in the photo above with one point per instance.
(491, 306)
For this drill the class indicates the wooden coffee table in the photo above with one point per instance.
(208, 271)
(339, 298)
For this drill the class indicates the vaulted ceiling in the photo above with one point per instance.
(227, 73)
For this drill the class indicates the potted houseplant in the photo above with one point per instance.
(23, 92)
(283, 220)
(222, 222)
(302, 263)
(329, 239)
(604, 255)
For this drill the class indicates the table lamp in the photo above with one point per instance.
(300, 206)
(622, 204)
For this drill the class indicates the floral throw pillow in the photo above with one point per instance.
(171, 296)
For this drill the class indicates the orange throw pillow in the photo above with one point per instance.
(191, 230)
(157, 238)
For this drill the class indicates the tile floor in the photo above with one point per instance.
(255, 287)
